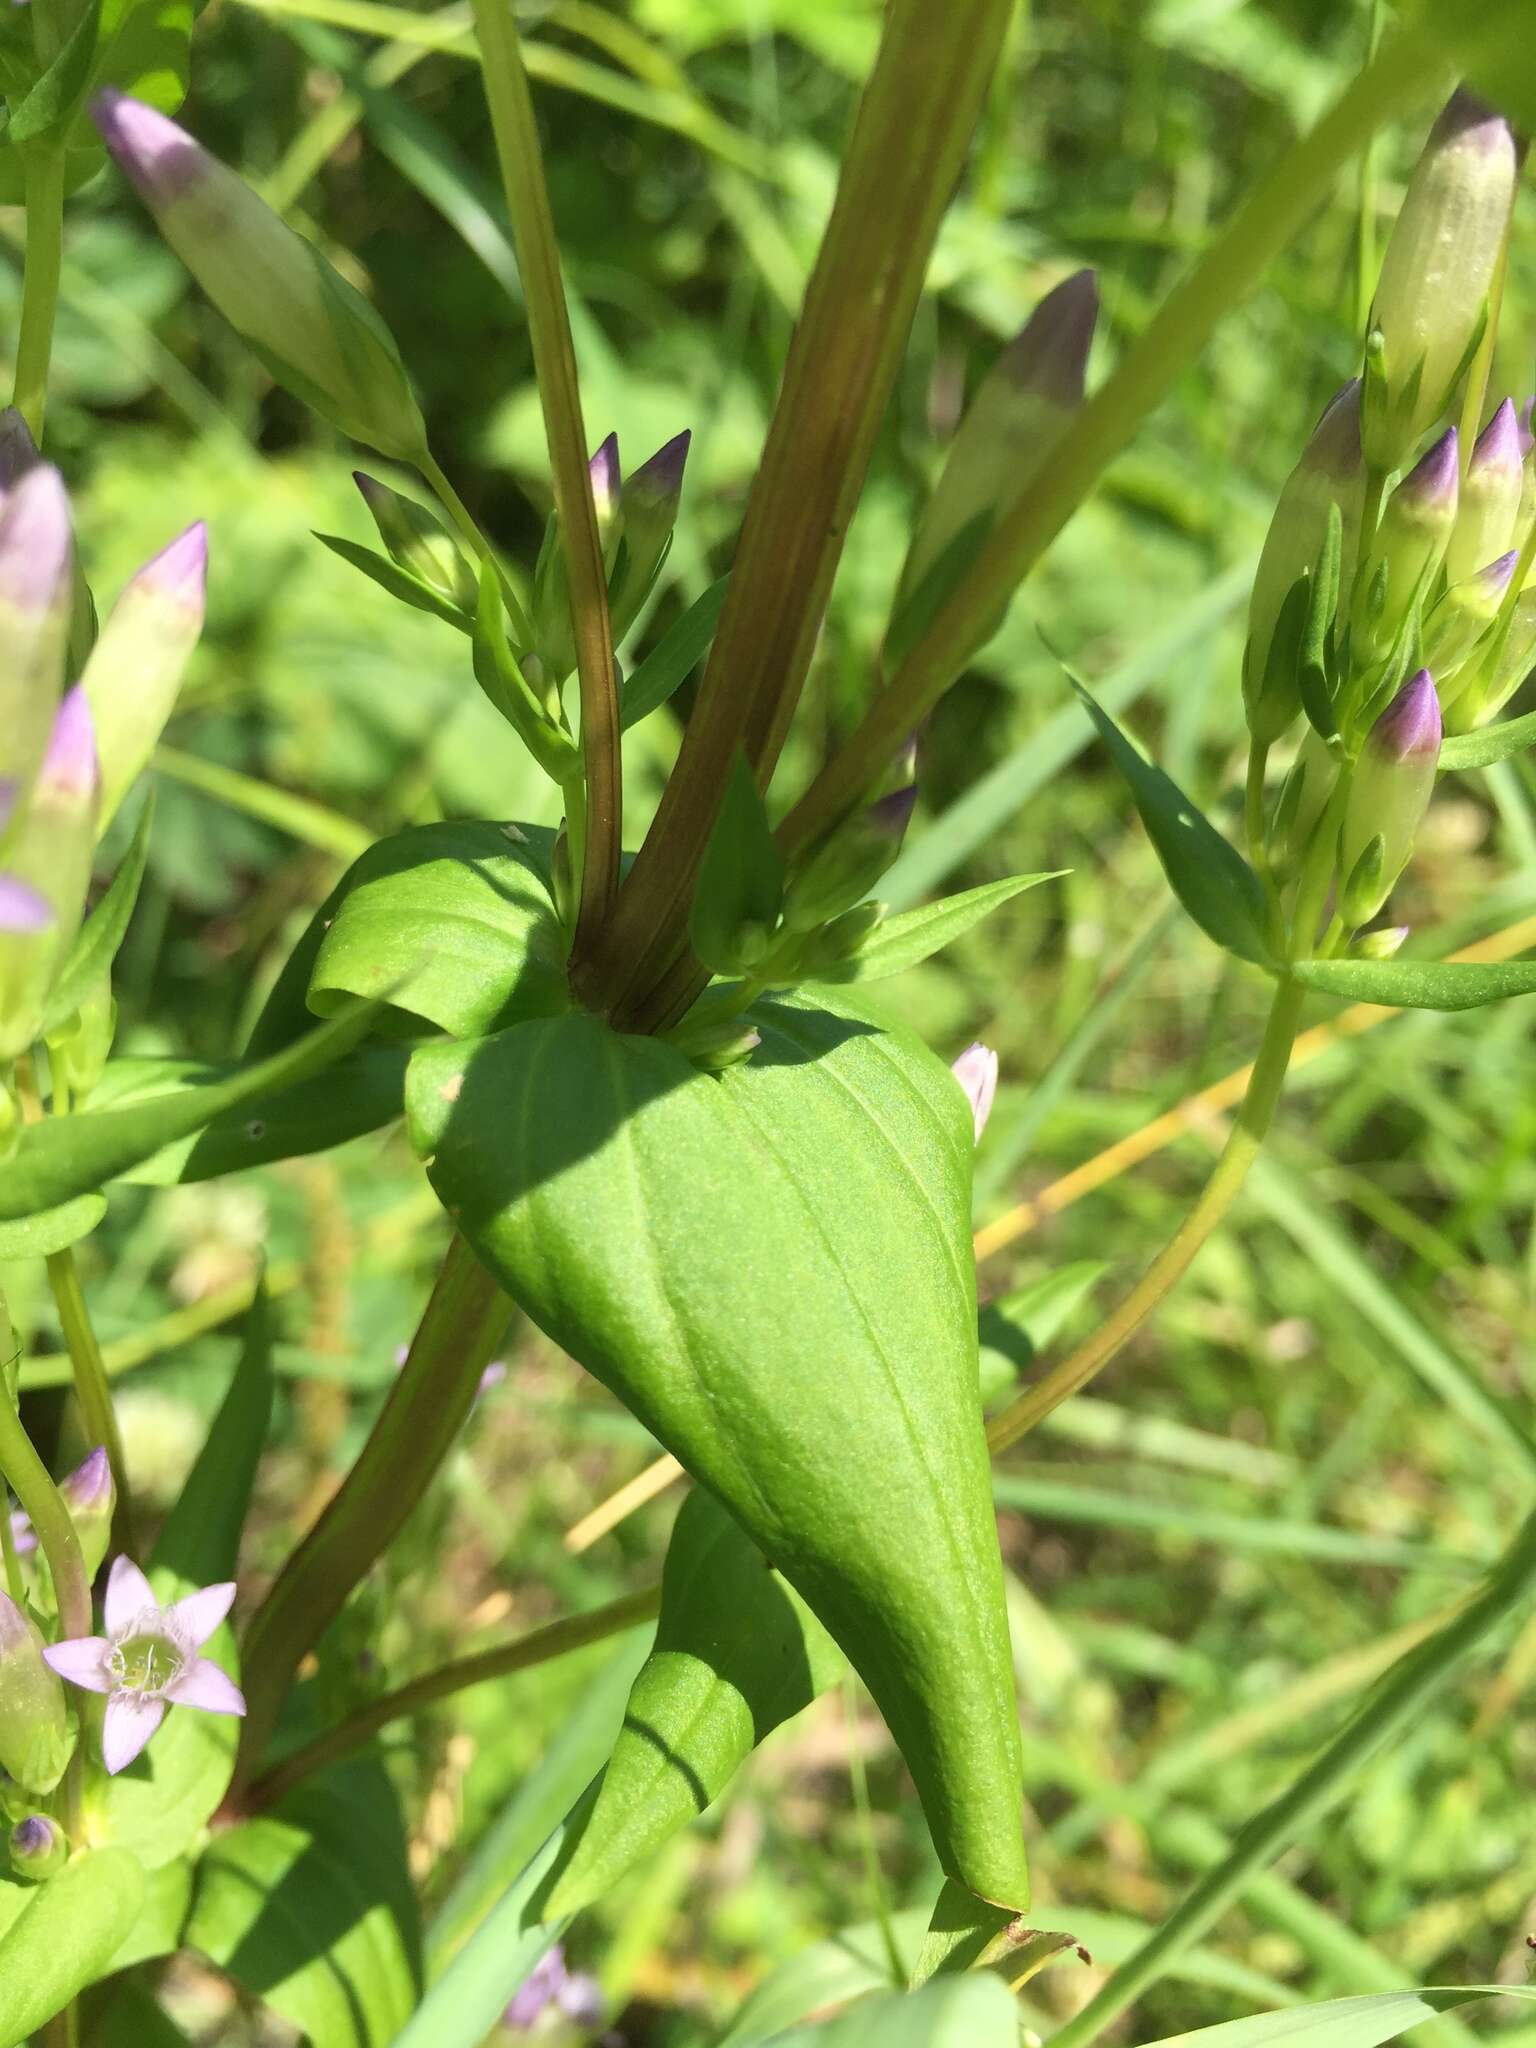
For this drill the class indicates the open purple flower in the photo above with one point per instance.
(551, 1985)
(148, 1660)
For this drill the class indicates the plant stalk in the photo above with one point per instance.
(1267, 220)
(91, 1386)
(539, 1646)
(43, 175)
(460, 1328)
(554, 361)
(469, 532)
(1397, 1701)
(915, 119)
(29, 1480)
(1216, 1197)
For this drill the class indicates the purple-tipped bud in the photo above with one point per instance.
(34, 1745)
(604, 472)
(1416, 527)
(889, 816)
(312, 330)
(91, 1497)
(36, 595)
(845, 867)
(36, 546)
(1460, 621)
(659, 479)
(1385, 944)
(648, 504)
(70, 774)
(37, 1847)
(976, 1071)
(1330, 472)
(135, 668)
(23, 909)
(1019, 413)
(1432, 488)
(18, 450)
(1393, 781)
(1436, 275)
(1490, 497)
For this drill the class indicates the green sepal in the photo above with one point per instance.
(740, 889)
(1313, 665)
(400, 583)
(1207, 874)
(737, 1653)
(772, 1268)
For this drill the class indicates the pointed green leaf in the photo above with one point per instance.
(311, 1909)
(902, 942)
(737, 1653)
(1419, 984)
(65, 1937)
(1207, 874)
(361, 1092)
(52, 1230)
(73, 1155)
(96, 944)
(1342, 2022)
(741, 878)
(772, 1268)
(400, 583)
(674, 657)
(200, 1540)
(1488, 744)
(455, 921)
(953, 2012)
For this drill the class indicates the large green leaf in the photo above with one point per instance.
(737, 1653)
(311, 1908)
(953, 2012)
(772, 1268)
(454, 923)
(360, 1093)
(1207, 874)
(65, 1937)
(1343, 2022)
(1420, 984)
(66, 1156)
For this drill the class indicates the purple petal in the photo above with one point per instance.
(70, 765)
(83, 1661)
(21, 908)
(976, 1071)
(1498, 445)
(23, 1535)
(127, 1725)
(158, 158)
(193, 1620)
(660, 476)
(1434, 482)
(128, 1596)
(35, 541)
(180, 570)
(89, 1485)
(18, 450)
(204, 1685)
(1411, 724)
(604, 472)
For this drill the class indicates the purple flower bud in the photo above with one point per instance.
(36, 597)
(22, 908)
(649, 504)
(889, 816)
(36, 547)
(1490, 497)
(37, 1847)
(1432, 487)
(1415, 529)
(34, 1744)
(135, 668)
(18, 450)
(23, 1535)
(976, 1071)
(659, 479)
(1393, 781)
(1437, 273)
(1019, 413)
(604, 472)
(50, 851)
(1459, 622)
(70, 774)
(91, 1496)
(312, 330)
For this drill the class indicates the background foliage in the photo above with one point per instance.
(1324, 1436)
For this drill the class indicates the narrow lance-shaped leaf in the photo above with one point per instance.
(901, 942)
(96, 944)
(1419, 984)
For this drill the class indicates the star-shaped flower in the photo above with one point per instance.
(148, 1660)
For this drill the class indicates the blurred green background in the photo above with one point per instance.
(1327, 1431)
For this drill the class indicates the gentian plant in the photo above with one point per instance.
(648, 1090)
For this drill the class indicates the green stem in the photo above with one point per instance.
(15, 1585)
(1267, 220)
(469, 532)
(43, 173)
(30, 1482)
(91, 1388)
(415, 1430)
(539, 1646)
(914, 123)
(554, 362)
(1398, 1701)
(1216, 1197)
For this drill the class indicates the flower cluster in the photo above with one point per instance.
(1394, 596)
